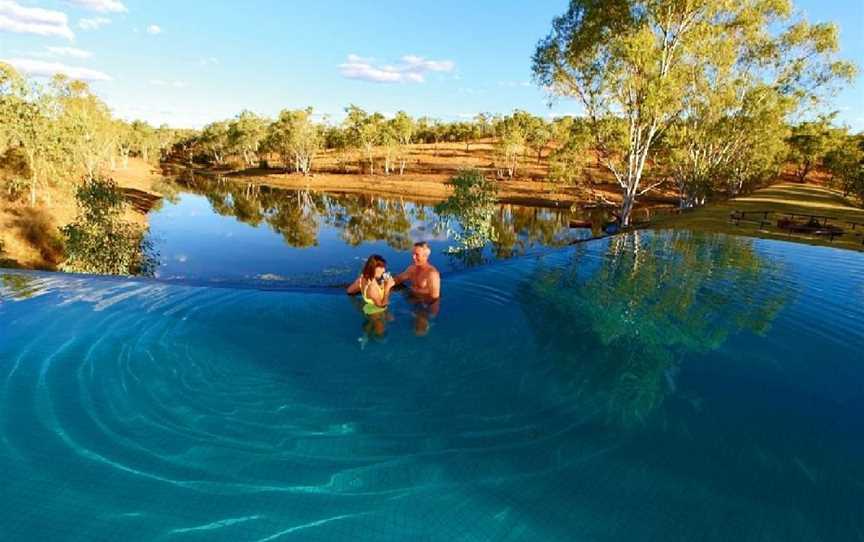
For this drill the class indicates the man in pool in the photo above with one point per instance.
(424, 278)
(425, 289)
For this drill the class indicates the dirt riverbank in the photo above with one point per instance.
(30, 236)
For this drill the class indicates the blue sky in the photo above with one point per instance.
(186, 63)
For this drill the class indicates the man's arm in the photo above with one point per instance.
(354, 287)
(405, 275)
(435, 285)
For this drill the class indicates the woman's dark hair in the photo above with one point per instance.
(374, 262)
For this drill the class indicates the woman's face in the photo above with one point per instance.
(379, 271)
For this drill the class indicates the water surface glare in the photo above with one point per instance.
(655, 387)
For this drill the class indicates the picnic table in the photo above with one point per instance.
(815, 225)
(802, 223)
(810, 217)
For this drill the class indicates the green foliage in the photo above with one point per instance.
(472, 206)
(214, 140)
(731, 140)
(809, 142)
(364, 132)
(845, 163)
(295, 138)
(85, 124)
(100, 241)
(55, 133)
(572, 144)
(245, 135)
(336, 139)
(511, 134)
(639, 67)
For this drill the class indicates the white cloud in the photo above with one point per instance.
(41, 68)
(93, 23)
(102, 6)
(154, 29)
(69, 51)
(420, 63)
(162, 83)
(411, 69)
(514, 84)
(209, 61)
(42, 22)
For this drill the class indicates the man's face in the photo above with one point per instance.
(420, 255)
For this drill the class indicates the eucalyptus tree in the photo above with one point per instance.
(465, 132)
(30, 115)
(510, 143)
(296, 138)
(632, 64)
(390, 144)
(403, 127)
(732, 134)
(538, 136)
(568, 157)
(215, 140)
(337, 140)
(11, 91)
(307, 139)
(86, 124)
(809, 142)
(245, 134)
(483, 123)
(144, 140)
(124, 142)
(845, 164)
(731, 139)
(364, 131)
(167, 137)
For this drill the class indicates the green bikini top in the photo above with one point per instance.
(369, 307)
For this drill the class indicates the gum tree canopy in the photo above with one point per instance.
(634, 64)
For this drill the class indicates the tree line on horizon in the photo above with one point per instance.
(369, 139)
(755, 152)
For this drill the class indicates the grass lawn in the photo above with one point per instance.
(779, 198)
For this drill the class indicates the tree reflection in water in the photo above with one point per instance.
(621, 326)
(298, 215)
(17, 286)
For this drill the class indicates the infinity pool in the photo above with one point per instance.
(652, 387)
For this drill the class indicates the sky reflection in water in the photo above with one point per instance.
(232, 231)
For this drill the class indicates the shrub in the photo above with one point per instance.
(100, 241)
(472, 206)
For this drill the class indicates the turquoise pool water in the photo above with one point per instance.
(652, 387)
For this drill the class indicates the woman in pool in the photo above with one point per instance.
(374, 285)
